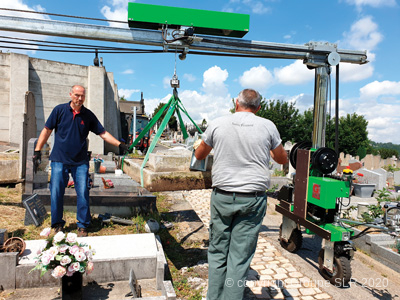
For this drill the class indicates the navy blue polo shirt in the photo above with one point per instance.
(71, 131)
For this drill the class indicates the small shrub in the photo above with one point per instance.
(383, 195)
(278, 173)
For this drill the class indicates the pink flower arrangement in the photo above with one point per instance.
(64, 255)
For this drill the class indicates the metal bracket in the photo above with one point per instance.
(329, 255)
(328, 56)
(176, 38)
(287, 227)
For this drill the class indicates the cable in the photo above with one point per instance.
(60, 15)
(61, 43)
(82, 51)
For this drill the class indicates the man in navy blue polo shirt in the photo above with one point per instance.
(72, 123)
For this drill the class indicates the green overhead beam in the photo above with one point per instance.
(148, 16)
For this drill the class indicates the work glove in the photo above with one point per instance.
(37, 159)
(196, 144)
(123, 149)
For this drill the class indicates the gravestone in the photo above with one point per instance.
(373, 177)
(396, 175)
(35, 212)
(3, 236)
(384, 175)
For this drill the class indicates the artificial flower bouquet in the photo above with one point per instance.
(64, 255)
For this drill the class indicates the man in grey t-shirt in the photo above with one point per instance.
(243, 145)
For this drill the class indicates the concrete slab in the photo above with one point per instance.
(167, 181)
(110, 246)
(115, 256)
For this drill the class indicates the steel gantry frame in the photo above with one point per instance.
(315, 55)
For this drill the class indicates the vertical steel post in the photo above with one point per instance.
(320, 104)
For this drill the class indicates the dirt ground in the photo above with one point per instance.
(184, 245)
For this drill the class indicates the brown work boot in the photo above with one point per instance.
(82, 232)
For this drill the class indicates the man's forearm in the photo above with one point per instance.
(43, 137)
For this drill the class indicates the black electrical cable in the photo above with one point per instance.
(61, 15)
(61, 43)
(82, 51)
(337, 110)
(99, 48)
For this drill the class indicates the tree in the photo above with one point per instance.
(283, 114)
(386, 153)
(302, 131)
(122, 98)
(361, 152)
(352, 133)
(172, 123)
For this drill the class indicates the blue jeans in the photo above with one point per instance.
(58, 182)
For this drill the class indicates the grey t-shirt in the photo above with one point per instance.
(241, 143)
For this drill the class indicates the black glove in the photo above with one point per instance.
(37, 159)
(123, 149)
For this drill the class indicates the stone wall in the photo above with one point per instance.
(49, 83)
(370, 162)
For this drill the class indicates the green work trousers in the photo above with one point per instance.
(234, 226)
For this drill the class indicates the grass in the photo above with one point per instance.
(179, 253)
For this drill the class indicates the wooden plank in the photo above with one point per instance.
(301, 183)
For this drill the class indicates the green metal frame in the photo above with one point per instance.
(208, 22)
(173, 104)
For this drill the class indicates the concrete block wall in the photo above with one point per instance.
(4, 97)
(50, 83)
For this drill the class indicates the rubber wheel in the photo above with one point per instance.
(293, 152)
(341, 270)
(295, 241)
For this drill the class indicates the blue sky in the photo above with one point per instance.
(209, 83)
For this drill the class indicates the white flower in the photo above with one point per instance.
(45, 232)
(74, 267)
(80, 256)
(53, 251)
(71, 238)
(58, 272)
(45, 259)
(65, 260)
(74, 249)
(59, 237)
(63, 248)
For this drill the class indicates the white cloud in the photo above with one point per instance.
(127, 93)
(378, 88)
(258, 78)
(19, 4)
(214, 81)
(255, 6)
(128, 71)
(363, 35)
(189, 77)
(118, 12)
(352, 72)
(296, 73)
(166, 82)
(259, 8)
(373, 3)
(213, 102)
